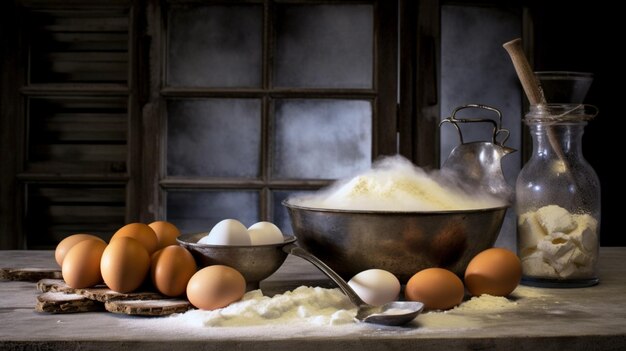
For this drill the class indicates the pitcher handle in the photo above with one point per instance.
(497, 126)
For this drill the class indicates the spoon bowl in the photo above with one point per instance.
(391, 313)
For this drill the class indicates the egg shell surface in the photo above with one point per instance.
(215, 287)
(125, 264)
(227, 232)
(166, 233)
(375, 286)
(81, 266)
(265, 233)
(171, 268)
(140, 232)
(494, 271)
(437, 288)
(66, 244)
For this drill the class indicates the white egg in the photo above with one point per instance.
(264, 233)
(376, 286)
(227, 232)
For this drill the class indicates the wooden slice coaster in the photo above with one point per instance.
(54, 285)
(104, 294)
(98, 293)
(29, 274)
(161, 307)
(60, 302)
(58, 297)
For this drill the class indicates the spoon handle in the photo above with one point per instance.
(525, 73)
(534, 93)
(295, 250)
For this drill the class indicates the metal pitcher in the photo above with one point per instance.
(477, 165)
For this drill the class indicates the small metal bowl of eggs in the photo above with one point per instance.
(256, 256)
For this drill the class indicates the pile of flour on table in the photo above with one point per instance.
(310, 305)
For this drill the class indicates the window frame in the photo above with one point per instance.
(383, 96)
(18, 89)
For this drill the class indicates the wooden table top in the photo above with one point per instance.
(535, 319)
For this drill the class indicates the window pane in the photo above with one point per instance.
(476, 69)
(324, 46)
(199, 210)
(322, 139)
(281, 216)
(214, 137)
(215, 46)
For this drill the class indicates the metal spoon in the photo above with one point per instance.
(392, 313)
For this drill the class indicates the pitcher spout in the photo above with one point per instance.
(507, 150)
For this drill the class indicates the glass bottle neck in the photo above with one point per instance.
(549, 138)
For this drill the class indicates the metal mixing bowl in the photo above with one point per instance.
(402, 243)
(255, 263)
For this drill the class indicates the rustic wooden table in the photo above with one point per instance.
(536, 319)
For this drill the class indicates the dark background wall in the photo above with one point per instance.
(585, 37)
(577, 37)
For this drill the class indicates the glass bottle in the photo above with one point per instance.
(558, 201)
(557, 191)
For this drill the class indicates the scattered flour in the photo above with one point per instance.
(311, 305)
(395, 184)
(527, 292)
(485, 303)
(308, 312)
(316, 306)
(470, 314)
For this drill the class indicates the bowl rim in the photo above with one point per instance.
(287, 239)
(389, 212)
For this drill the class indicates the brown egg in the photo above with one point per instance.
(166, 233)
(141, 232)
(171, 269)
(66, 244)
(215, 287)
(81, 265)
(436, 288)
(495, 271)
(124, 264)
